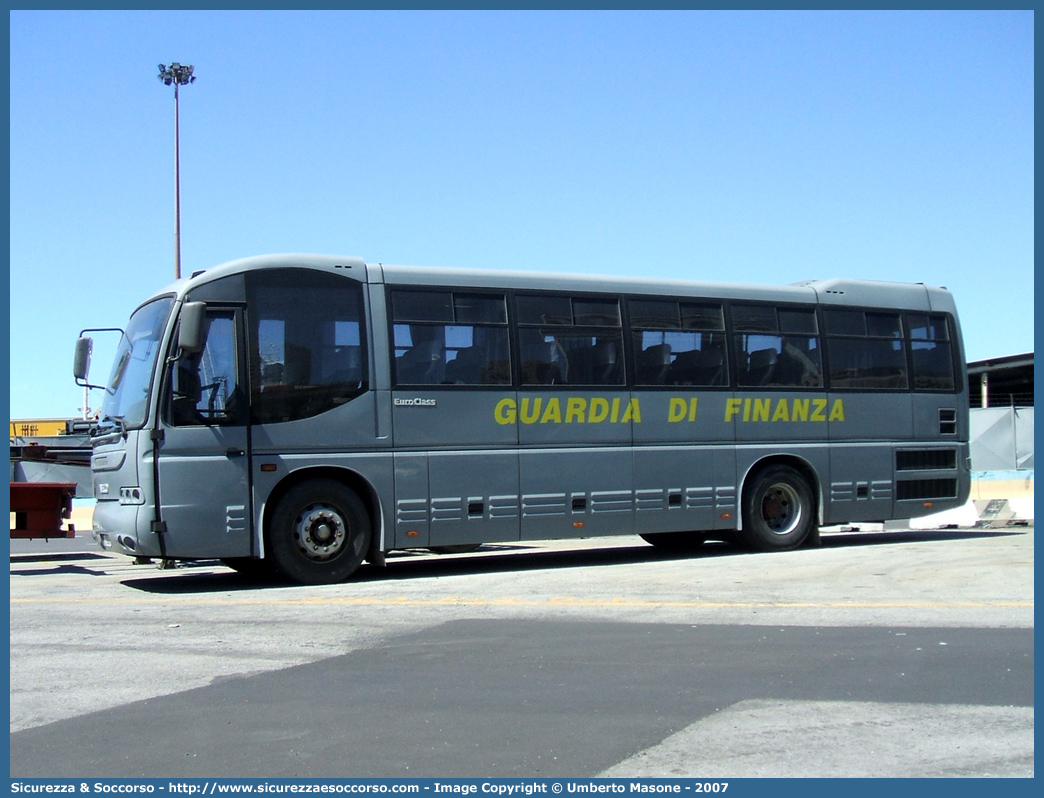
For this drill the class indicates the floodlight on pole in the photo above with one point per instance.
(178, 75)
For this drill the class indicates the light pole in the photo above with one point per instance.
(179, 75)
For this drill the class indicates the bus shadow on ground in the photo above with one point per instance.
(514, 558)
(851, 539)
(68, 556)
(491, 558)
(58, 563)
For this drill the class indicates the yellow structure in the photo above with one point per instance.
(32, 427)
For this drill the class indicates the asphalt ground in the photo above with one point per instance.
(906, 653)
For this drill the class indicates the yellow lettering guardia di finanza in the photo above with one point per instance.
(599, 409)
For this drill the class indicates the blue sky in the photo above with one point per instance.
(752, 146)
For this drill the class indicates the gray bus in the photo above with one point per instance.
(300, 414)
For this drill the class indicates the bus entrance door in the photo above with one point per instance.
(202, 455)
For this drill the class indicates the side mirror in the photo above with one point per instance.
(190, 332)
(82, 359)
(82, 355)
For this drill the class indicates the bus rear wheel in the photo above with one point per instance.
(778, 510)
(319, 533)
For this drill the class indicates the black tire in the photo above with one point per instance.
(675, 541)
(779, 510)
(319, 533)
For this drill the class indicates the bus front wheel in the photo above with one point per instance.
(319, 533)
(778, 510)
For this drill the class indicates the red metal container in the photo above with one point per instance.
(40, 507)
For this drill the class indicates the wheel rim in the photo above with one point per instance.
(781, 509)
(320, 532)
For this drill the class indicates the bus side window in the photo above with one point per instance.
(423, 363)
(932, 358)
(342, 364)
(543, 360)
(865, 349)
(205, 384)
(449, 338)
(567, 340)
(678, 343)
(307, 348)
(777, 347)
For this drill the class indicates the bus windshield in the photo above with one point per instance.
(127, 389)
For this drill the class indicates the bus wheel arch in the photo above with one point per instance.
(320, 524)
(780, 504)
